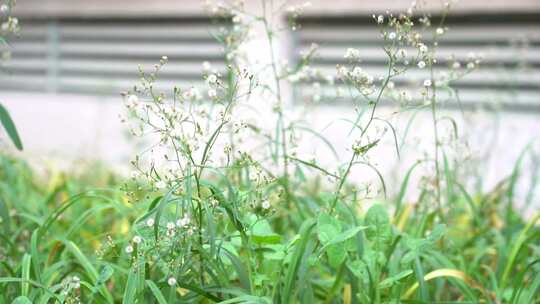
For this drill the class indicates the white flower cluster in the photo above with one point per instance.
(352, 54)
(8, 24)
(362, 80)
(182, 125)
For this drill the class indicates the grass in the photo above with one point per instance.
(203, 219)
(473, 252)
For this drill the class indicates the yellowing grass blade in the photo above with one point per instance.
(402, 220)
(444, 272)
(347, 294)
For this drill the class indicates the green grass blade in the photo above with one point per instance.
(156, 292)
(9, 126)
(305, 234)
(88, 267)
(25, 274)
(516, 248)
(130, 291)
(419, 272)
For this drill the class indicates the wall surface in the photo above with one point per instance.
(69, 127)
(188, 7)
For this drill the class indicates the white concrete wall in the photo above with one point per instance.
(69, 127)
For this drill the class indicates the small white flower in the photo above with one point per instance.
(439, 31)
(423, 48)
(236, 19)
(129, 249)
(421, 64)
(206, 66)
(392, 36)
(456, 65)
(183, 222)
(135, 174)
(192, 93)
(212, 79)
(357, 72)
(150, 222)
(76, 282)
(265, 205)
(380, 19)
(137, 239)
(470, 65)
(212, 93)
(343, 72)
(352, 54)
(427, 83)
(402, 53)
(171, 281)
(161, 184)
(406, 95)
(164, 58)
(4, 8)
(132, 100)
(170, 225)
(369, 79)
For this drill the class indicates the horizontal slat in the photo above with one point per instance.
(506, 54)
(484, 75)
(102, 56)
(115, 86)
(484, 33)
(23, 82)
(509, 72)
(31, 63)
(134, 30)
(465, 95)
(131, 67)
(177, 49)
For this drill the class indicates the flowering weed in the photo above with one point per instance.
(223, 207)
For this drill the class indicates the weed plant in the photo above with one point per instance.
(222, 208)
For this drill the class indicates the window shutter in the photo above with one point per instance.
(101, 55)
(509, 75)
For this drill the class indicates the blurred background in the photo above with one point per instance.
(63, 81)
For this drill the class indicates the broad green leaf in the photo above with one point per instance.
(261, 233)
(379, 229)
(344, 236)
(327, 228)
(336, 254)
(21, 300)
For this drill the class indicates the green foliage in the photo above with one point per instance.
(246, 228)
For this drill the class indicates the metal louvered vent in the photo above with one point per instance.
(508, 78)
(101, 55)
